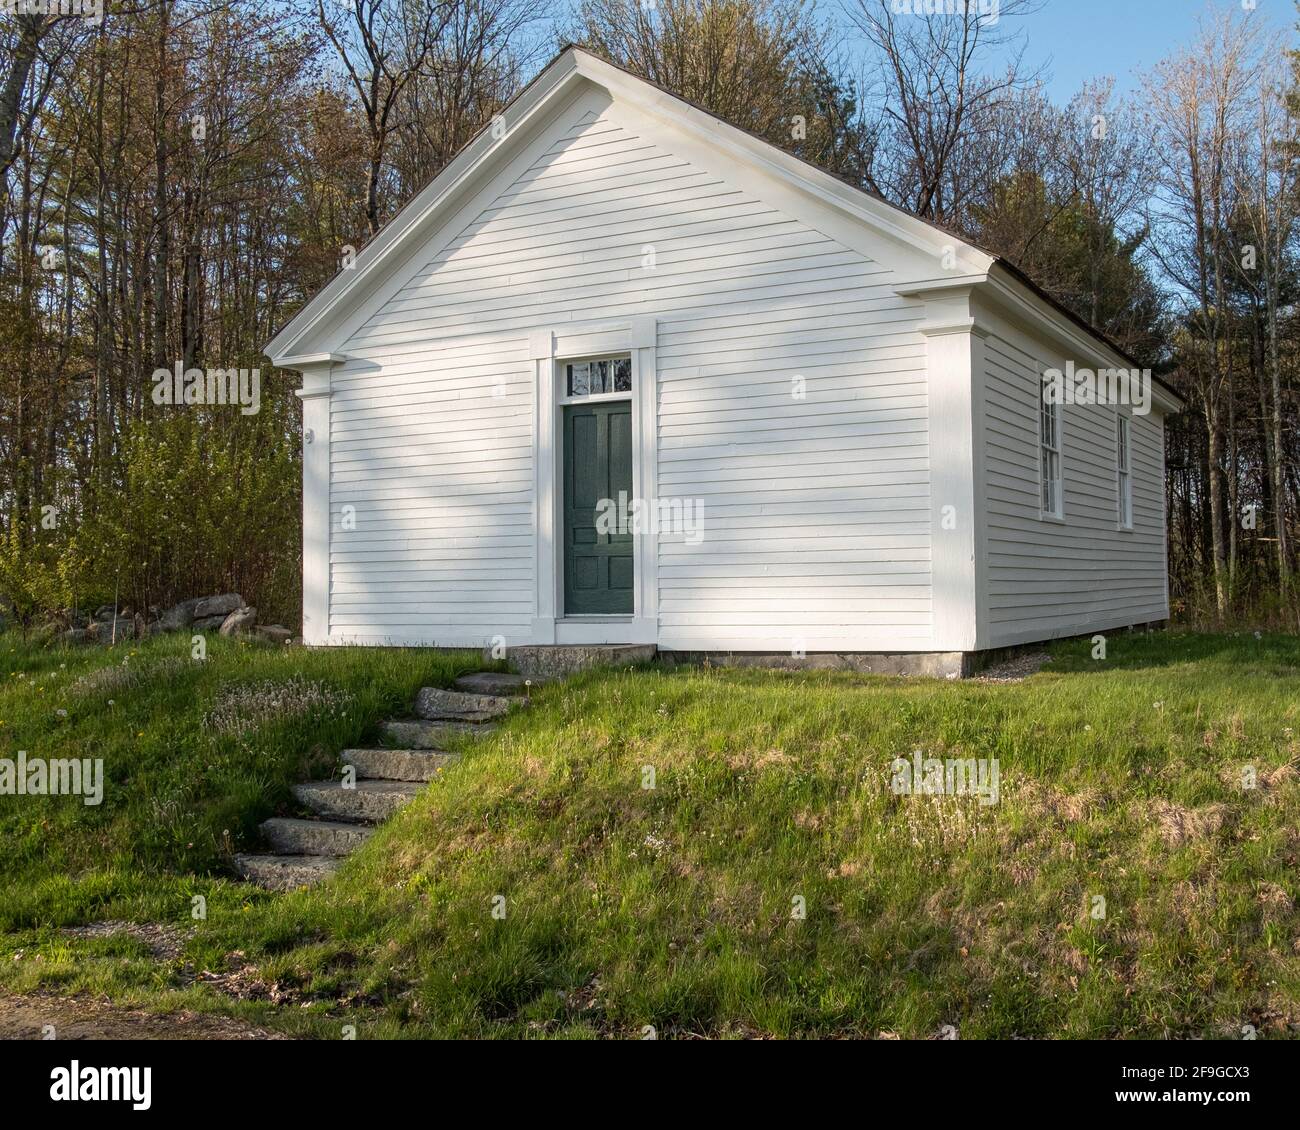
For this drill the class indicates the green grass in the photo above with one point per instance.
(672, 907)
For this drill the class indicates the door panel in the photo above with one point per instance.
(598, 571)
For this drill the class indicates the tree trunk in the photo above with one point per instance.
(162, 249)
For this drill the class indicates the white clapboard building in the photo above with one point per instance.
(624, 374)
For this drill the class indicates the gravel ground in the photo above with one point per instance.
(1014, 669)
(83, 1018)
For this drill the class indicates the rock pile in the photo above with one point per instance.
(225, 613)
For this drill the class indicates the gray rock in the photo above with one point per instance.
(557, 660)
(418, 734)
(208, 623)
(313, 837)
(111, 631)
(493, 682)
(179, 616)
(222, 605)
(275, 633)
(438, 705)
(285, 872)
(367, 802)
(104, 612)
(76, 635)
(397, 764)
(239, 621)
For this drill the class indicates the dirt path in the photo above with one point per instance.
(82, 1018)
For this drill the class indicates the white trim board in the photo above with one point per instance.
(550, 346)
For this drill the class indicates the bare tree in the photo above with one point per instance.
(767, 66)
(1267, 171)
(1199, 100)
(473, 70)
(938, 104)
(382, 46)
(1108, 159)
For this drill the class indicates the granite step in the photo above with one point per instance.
(438, 705)
(397, 764)
(367, 802)
(495, 683)
(289, 836)
(286, 872)
(555, 661)
(418, 733)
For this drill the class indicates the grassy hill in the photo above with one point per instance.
(770, 883)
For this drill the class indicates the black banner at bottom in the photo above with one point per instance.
(338, 1079)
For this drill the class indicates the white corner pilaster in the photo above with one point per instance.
(541, 349)
(955, 367)
(645, 472)
(315, 396)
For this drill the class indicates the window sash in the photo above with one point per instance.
(1049, 464)
(598, 377)
(1124, 471)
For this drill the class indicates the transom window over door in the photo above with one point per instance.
(598, 376)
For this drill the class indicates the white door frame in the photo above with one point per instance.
(548, 347)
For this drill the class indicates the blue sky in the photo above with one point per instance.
(1081, 39)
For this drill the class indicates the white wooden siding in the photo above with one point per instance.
(1047, 579)
(816, 510)
(432, 447)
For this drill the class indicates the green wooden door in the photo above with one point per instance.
(597, 466)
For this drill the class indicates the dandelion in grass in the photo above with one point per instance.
(239, 709)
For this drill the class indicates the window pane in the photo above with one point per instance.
(623, 374)
(599, 376)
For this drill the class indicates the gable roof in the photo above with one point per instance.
(306, 340)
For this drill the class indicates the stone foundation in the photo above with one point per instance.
(934, 664)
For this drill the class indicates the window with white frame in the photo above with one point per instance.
(597, 376)
(1049, 418)
(1124, 472)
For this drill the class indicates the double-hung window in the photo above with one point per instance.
(1124, 472)
(1049, 450)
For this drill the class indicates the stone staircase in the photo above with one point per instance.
(305, 851)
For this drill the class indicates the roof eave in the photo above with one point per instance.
(1009, 284)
